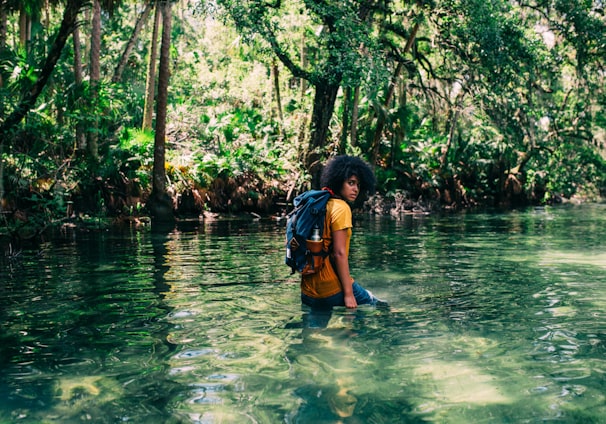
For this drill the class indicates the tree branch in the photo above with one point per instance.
(72, 9)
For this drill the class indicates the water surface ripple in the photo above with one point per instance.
(495, 317)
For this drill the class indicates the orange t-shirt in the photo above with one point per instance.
(326, 283)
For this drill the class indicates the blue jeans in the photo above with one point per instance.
(363, 297)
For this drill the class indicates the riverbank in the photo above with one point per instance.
(227, 202)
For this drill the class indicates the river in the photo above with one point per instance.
(494, 318)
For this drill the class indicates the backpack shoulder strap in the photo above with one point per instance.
(308, 208)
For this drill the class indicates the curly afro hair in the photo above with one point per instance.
(338, 169)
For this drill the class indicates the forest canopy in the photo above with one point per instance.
(174, 108)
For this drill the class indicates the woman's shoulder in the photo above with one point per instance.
(337, 207)
(335, 202)
(338, 214)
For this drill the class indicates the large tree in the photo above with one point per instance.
(150, 85)
(338, 36)
(160, 203)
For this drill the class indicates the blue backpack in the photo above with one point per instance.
(309, 212)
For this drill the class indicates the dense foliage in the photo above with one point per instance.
(454, 102)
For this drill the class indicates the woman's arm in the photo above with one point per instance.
(339, 239)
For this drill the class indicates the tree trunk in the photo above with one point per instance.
(454, 116)
(303, 128)
(95, 44)
(354, 116)
(95, 77)
(3, 32)
(3, 22)
(161, 206)
(150, 86)
(345, 120)
(381, 118)
(29, 99)
(132, 41)
(23, 26)
(324, 105)
(392, 86)
(303, 66)
(400, 134)
(276, 83)
(78, 79)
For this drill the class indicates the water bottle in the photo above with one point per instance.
(314, 252)
(315, 234)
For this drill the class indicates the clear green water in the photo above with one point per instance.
(496, 318)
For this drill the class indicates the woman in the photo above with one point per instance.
(346, 177)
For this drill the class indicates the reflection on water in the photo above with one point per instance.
(494, 318)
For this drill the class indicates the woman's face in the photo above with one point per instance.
(350, 189)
